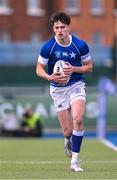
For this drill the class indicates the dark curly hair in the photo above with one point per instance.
(60, 16)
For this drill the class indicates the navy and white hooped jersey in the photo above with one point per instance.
(76, 52)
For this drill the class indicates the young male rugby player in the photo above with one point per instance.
(69, 96)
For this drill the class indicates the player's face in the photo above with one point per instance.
(61, 30)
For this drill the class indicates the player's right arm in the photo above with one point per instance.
(41, 72)
(43, 61)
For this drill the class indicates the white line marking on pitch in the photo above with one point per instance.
(52, 162)
(32, 162)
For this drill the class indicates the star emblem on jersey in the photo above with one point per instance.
(72, 55)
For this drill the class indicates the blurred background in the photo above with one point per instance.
(24, 27)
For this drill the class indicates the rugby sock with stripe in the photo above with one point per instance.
(77, 137)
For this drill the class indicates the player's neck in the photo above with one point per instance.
(65, 41)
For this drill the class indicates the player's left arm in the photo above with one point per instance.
(85, 60)
(85, 68)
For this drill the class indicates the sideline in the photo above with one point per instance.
(108, 144)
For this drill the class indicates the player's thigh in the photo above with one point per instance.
(78, 100)
(60, 97)
(65, 121)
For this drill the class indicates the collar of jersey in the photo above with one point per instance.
(70, 37)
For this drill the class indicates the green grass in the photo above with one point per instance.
(44, 159)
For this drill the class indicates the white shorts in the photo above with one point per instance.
(64, 96)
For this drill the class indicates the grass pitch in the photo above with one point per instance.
(45, 159)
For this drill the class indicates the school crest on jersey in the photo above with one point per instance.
(57, 54)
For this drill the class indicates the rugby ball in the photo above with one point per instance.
(59, 68)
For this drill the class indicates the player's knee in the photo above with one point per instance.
(67, 132)
(77, 121)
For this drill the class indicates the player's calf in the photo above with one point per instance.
(68, 147)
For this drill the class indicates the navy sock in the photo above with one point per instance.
(77, 137)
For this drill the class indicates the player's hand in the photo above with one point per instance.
(58, 78)
(68, 69)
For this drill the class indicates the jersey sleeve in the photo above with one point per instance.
(84, 51)
(42, 60)
(44, 55)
